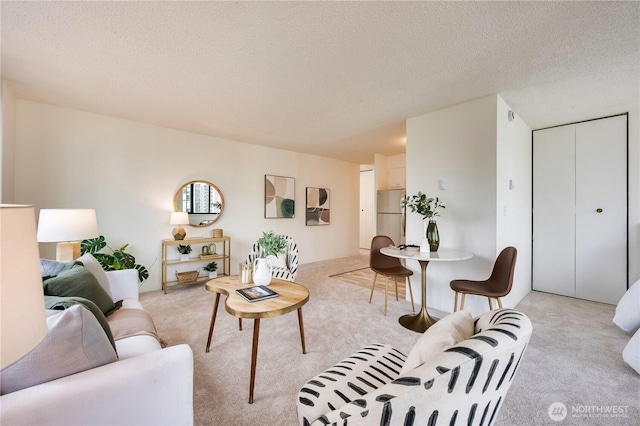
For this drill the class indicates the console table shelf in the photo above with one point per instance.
(171, 262)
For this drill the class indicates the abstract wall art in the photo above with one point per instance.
(279, 197)
(318, 212)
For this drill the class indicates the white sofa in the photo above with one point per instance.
(146, 386)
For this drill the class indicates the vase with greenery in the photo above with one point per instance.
(114, 261)
(427, 207)
(184, 250)
(212, 268)
(271, 244)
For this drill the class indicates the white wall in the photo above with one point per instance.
(463, 145)
(513, 206)
(7, 146)
(129, 172)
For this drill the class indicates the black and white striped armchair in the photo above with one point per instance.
(287, 272)
(464, 384)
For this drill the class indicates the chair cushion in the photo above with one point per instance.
(449, 331)
(74, 342)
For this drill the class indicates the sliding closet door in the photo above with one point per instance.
(601, 209)
(554, 210)
(580, 209)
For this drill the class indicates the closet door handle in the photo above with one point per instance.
(599, 210)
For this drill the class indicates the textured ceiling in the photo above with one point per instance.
(336, 79)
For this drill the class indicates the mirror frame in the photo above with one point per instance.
(179, 192)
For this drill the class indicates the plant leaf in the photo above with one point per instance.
(92, 245)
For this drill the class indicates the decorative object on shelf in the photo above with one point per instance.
(217, 233)
(188, 277)
(279, 197)
(422, 205)
(117, 260)
(170, 263)
(67, 227)
(317, 212)
(204, 251)
(202, 200)
(246, 272)
(23, 324)
(262, 267)
(212, 268)
(184, 250)
(179, 218)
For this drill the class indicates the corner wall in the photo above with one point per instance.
(129, 172)
(472, 149)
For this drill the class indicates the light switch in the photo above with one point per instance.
(442, 184)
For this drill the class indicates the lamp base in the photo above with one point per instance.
(67, 251)
(179, 233)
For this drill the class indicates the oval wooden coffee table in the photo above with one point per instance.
(291, 297)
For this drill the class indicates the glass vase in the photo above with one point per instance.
(432, 235)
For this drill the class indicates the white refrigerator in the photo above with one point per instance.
(390, 217)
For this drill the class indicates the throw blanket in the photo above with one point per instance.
(133, 322)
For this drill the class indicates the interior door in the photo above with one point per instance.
(367, 211)
(601, 209)
(554, 210)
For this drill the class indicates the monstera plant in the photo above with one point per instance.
(116, 260)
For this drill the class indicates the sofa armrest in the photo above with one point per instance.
(123, 284)
(151, 389)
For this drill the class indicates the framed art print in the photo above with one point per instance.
(279, 197)
(317, 212)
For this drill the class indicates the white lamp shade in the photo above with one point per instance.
(179, 218)
(22, 316)
(57, 225)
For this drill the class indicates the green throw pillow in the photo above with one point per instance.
(61, 303)
(79, 282)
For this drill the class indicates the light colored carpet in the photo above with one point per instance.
(573, 357)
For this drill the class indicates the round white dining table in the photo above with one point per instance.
(422, 320)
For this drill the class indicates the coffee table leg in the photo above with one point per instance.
(304, 349)
(213, 320)
(254, 357)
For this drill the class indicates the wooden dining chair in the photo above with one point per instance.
(389, 267)
(496, 286)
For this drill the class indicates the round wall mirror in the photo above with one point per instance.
(202, 200)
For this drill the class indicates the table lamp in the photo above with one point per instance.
(67, 227)
(179, 218)
(22, 316)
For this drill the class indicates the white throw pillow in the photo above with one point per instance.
(627, 315)
(75, 342)
(631, 352)
(279, 261)
(93, 266)
(449, 331)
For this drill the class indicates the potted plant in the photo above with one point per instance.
(271, 244)
(421, 204)
(114, 261)
(212, 268)
(184, 250)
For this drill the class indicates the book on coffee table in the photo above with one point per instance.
(256, 293)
